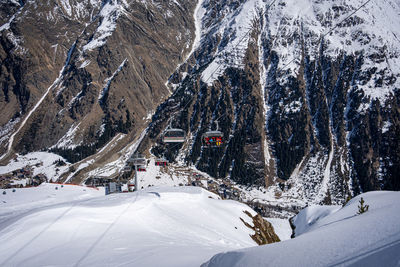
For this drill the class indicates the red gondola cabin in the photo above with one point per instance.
(213, 139)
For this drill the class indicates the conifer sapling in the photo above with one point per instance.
(362, 208)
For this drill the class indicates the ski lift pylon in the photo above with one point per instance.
(137, 159)
(141, 168)
(126, 168)
(161, 162)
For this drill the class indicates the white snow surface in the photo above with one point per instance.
(386, 126)
(310, 215)
(41, 162)
(341, 238)
(76, 226)
(281, 227)
(28, 200)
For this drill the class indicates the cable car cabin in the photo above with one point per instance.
(174, 136)
(213, 139)
(137, 159)
(126, 168)
(141, 169)
(161, 162)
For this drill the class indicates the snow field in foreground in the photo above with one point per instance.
(182, 226)
(341, 238)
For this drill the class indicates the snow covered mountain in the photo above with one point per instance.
(76, 74)
(306, 92)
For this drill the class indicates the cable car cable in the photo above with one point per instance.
(331, 29)
(355, 11)
(244, 36)
(220, 64)
(248, 32)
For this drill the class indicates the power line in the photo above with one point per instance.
(355, 11)
(240, 41)
(248, 32)
(244, 36)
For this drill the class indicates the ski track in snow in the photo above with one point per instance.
(115, 221)
(47, 227)
(160, 226)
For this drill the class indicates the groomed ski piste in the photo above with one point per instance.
(69, 225)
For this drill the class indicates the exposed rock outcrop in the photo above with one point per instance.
(263, 230)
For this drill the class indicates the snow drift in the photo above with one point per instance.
(340, 238)
(181, 226)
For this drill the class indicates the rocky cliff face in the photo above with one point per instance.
(76, 73)
(306, 94)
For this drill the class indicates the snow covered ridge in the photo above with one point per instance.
(372, 31)
(340, 238)
(109, 15)
(182, 226)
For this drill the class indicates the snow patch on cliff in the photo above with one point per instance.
(109, 15)
(235, 27)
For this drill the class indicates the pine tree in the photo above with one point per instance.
(362, 208)
(347, 200)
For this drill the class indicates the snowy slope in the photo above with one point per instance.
(182, 226)
(40, 162)
(14, 205)
(372, 29)
(341, 238)
(311, 215)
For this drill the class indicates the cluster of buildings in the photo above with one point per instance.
(21, 177)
